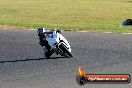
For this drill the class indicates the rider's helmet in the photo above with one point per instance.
(41, 30)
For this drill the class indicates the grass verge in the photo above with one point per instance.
(88, 15)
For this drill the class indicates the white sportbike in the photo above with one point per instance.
(58, 43)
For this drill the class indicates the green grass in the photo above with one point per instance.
(90, 15)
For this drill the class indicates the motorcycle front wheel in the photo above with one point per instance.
(65, 51)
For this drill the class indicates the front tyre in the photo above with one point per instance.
(65, 51)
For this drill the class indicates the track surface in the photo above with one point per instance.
(22, 64)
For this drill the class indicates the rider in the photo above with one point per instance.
(44, 42)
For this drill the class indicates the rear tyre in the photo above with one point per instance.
(48, 54)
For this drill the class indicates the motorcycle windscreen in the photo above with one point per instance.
(52, 38)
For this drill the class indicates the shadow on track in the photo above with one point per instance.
(10, 61)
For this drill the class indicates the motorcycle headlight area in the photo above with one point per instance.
(49, 34)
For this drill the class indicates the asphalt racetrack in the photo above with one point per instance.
(22, 64)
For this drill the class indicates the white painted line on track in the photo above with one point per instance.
(108, 32)
(100, 32)
(127, 33)
(82, 31)
(31, 29)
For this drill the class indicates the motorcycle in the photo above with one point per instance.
(58, 43)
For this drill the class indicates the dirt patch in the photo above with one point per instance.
(11, 27)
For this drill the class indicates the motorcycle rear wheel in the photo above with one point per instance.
(49, 53)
